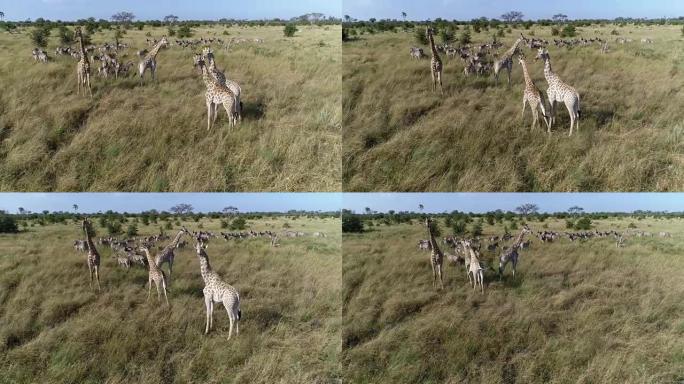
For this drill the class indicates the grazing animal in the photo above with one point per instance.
(93, 258)
(532, 96)
(559, 92)
(436, 255)
(82, 67)
(474, 268)
(217, 291)
(149, 61)
(156, 274)
(435, 62)
(511, 254)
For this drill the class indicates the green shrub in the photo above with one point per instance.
(583, 224)
(184, 31)
(39, 36)
(289, 30)
(132, 230)
(238, 224)
(476, 229)
(465, 38)
(447, 35)
(568, 31)
(555, 31)
(8, 224)
(420, 37)
(569, 224)
(631, 225)
(66, 36)
(351, 223)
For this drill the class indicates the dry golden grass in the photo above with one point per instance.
(400, 136)
(54, 329)
(154, 137)
(575, 313)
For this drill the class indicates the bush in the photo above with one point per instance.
(555, 31)
(114, 228)
(8, 224)
(351, 223)
(447, 35)
(168, 225)
(171, 31)
(345, 34)
(39, 36)
(476, 229)
(568, 31)
(631, 225)
(184, 31)
(614, 32)
(459, 227)
(66, 36)
(290, 30)
(224, 224)
(465, 38)
(420, 37)
(238, 224)
(569, 224)
(583, 224)
(132, 230)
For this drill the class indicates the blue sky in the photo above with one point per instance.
(157, 9)
(202, 202)
(532, 9)
(483, 202)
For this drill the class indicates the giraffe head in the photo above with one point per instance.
(542, 53)
(429, 31)
(526, 229)
(521, 58)
(163, 42)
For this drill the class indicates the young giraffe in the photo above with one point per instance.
(156, 275)
(217, 291)
(435, 62)
(150, 60)
(506, 61)
(220, 78)
(436, 255)
(474, 268)
(559, 92)
(93, 258)
(82, 67)
(511, 254)
(533, 96)
(166, 255)
(216, 94)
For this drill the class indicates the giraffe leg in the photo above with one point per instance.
(231, 117)
(149, 288)
(231, 317)
(439, 271)
(571, 112)
(156, 284)
(165, 296)
(434, 83)
(97, 277)
(535, 116)
(211, 314)
(90, 91)
(439, 77)
(90, 269)
(522, 114)
(207, 303)
(210, 110)
(434, 276)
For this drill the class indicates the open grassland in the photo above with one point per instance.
(583, 312)
(154, 137)
(54, 329)
(398, 135)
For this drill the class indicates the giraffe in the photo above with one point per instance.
(533, 96)
(220, 78)
(156, 275)
(166, 255)
(435, 62)
(217, 291)
(436, 255)
(559, 91)
(150, 60)
(506, 61)
(475, 268)
(82, 67)
(93, 258)
(511, 254)
(216, 94)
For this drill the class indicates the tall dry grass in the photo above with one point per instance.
(54, 329)
(400, 136)
(154, 137)
(575, 313)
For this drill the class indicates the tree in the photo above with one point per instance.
(182, 209)
(347, 18)
(421, 207)
(465, 38)
(123, 17)
(351, 222)
(527, 209)
(447, 35)
(459, 227)
(512, 16)
(575, 210)
(420, 36)
(238, 224)
(230, 210)
(132, 230)
(403, 15)
(476, 229)
(8, 224)
(290, 29)
(39, 36)
(2, 15)
(66, 36)
(21, 210)
(368, 210)
(560, 18)
(75, 207)
(583, 224)
(170, 19)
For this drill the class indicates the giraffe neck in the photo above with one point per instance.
(432, 45)
(150, 260)
(81, 48)
(205, 268)
(155, 50)
(175, 241)
(511, 51)
(89, 239)
(519, 239)
(433, 242)
(548, 72)
(205, 76)
(528, 81)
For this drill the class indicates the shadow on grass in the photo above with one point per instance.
(254, 110)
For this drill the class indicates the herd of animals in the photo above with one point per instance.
(113, 63)
(484, 59)
(140, 251)
(468, 252)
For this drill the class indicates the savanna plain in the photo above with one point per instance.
(54, 328)
(399, 135)
(576, 312)
(154, 137)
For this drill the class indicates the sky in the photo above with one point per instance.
(138, 202)
(532, 9)
(66, 10)
(484, 202)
